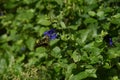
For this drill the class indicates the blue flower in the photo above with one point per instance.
(51, 34)
(110, 42)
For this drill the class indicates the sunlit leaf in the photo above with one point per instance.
(84, 74)
(30, 43)
(76, 56)
(63, 25)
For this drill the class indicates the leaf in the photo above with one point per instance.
(88, 46)
(90, 20)
(41, 53)
(70, 68)
(30, 43)
(63, 25)
(100, 13)
(53, 42)
(42, 30)
(43, 20)
(113, 53)
(107, 66)
(25, 15)
(32, 61)
(115, 21)
(93, 31)
(74, 27)
(76, 56)
(84, 74)
(91, 13)
(56, 52)
(117, 15)
(20, 59)
(7, 20)
(41, 50)
(27, 26)
(84, 34)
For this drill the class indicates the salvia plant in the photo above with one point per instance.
(59, 40)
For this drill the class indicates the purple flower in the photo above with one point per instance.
(51, 34)
(110, 42)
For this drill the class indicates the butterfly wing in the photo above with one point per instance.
(43, 42)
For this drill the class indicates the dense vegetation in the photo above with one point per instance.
(84, 45)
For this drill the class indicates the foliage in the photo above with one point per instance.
(78, 53)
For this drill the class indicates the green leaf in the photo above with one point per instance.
(74, 27)
(40, 30)
(101, 14)
(7, 20)
(32, 61)
(63, 25)
(44, 22)
(20, 59)
(57, 67)
(36, 56)
(84, 74)
(93, 31)
(91, 13)
(27, 26)
(41, 53)
(88, 46)
(76, 56)
(3, 38)
(30, 43)
(25, 15)
(84, 34)
(115, 21)
(90, 20)
(70, 68)
(117, 15)
(53, 42)
(56, 52)
(107, 66)
(113, 53)
(41, 50)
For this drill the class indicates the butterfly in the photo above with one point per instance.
(48, 35)
(43, 42)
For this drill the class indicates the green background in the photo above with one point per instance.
(79, 53)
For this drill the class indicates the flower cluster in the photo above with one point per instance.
(51, 34)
